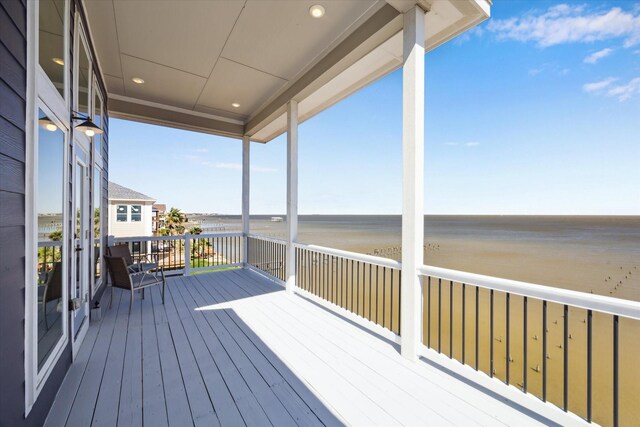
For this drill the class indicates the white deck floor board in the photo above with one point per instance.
(177, 402)
(232, 348)
(104, 413)
(279, 376)
(261, 379)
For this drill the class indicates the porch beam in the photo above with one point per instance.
(246, 192)
(292, 192)
(412, 181)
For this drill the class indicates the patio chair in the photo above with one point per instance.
(123, 278)
(123, 251)
(52, 290)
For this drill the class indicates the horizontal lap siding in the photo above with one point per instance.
(13, 55)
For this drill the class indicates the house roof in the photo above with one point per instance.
(118, 192)
(229, 68)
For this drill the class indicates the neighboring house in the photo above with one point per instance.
(130, 212)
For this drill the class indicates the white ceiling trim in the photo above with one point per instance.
(175, 109)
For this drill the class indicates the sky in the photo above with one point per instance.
(536, 111)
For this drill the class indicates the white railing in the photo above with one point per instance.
(188, 253)
(576, 299)
(268, 256)
(448, 319)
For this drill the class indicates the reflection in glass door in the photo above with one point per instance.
(82, 237)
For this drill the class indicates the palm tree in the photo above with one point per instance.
(174, 221)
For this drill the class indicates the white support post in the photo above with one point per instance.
(187, 254)
(292, 192)
(246, 177)
(412, 181)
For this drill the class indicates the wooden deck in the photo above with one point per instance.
(231, 348)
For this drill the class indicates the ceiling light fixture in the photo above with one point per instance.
(58, 61)
(316, 11)
(87, 126)
(235, 105)
(137, 80)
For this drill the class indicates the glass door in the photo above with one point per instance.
(79, 293)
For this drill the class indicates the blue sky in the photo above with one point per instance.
(536, 111)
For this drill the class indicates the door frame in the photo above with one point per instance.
(78, 339)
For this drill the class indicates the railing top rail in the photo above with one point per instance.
(48, 244)
(598, 303)
(383, 262)
(164, 238)
(267, 238)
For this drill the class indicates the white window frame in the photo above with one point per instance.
(127, 213)
(95, 285)
(35, 379)
(42, 95)
(80, 42)
(45, 87)
(131, 213)
(96, 91)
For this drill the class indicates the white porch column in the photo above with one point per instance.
(292, 192)
(412, 181)
(246, 177)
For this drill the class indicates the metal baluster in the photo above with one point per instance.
(391, 310)
(439, 315)
(615, 371)
(370, 294)
(477, 326)
(450, 319)
(428, 311)
(589, 362)
(544, 351)
(508, 347)
(384, 295)
(565, 395)
(464, 343)
(377, 292)
(524, 340)
(491, 334)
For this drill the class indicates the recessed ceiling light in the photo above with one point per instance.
(58, 61)
(317, 11)
(235, 105)
(137, 80)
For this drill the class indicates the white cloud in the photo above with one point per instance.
(471, 144)
(570, 24)
(596, 86)
(597, 56)
(624, 92)
(621, 91)
(549, 67)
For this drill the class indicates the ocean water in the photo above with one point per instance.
(587, 253)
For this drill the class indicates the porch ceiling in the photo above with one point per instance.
(198, 58)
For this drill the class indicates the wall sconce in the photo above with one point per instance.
(87, 126)
(47, 123)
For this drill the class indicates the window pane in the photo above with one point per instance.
(136, 213)
(51, 39)
(83, 80)
(121, 213)
(97, 119)
(49, 199)
(97, 225)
